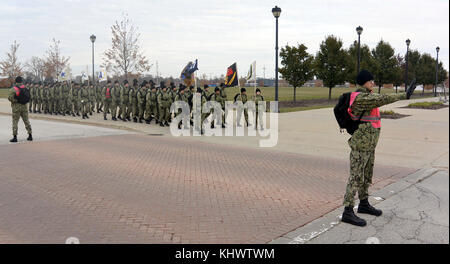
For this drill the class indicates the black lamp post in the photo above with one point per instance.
(93, 38)
(406, 61)
(276, 11)
(359, 30)
(437, 68)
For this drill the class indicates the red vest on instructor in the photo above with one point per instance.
(374, 117)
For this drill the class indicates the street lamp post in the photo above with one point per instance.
(93, 38)
(406, 63)
(276, 11)
(437, 68)
(359, 30)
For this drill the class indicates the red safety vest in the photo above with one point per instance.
(374, 117)
(108, 93)
(18, 89)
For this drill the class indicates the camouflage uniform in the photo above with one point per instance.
(125, 102)
(83, 98)
(38, 102)
(44, 98)
(115, 103)
(92, 99)
(32, 96)
(164, 107)
(151, 106)
(217, 98)
(259, 114)
(99, 98)
(141, 94)
(242, 98)
(363, 144)
(51, 99)
(223, 94)
(18, 111)
(107, 99)
(64, 102)
(58, 98)
(132, 98)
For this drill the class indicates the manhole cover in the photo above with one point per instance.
(155, 134)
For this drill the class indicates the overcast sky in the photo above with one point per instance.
(219, 33)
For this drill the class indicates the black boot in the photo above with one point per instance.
(223, 125)
(147, 122)
(365, 208)
(30, 137)
(166, 123)
(14, 139)
(124, 119)
(161, 124)
(135, 120)
(349, 217)
(114, 119)
(104, 118)
(84, 117)
(140, 120)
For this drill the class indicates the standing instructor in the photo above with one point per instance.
(19, 108)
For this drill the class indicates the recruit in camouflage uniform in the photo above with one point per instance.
(164, 106)
(38, 104)
(98, 98)
(64, 102)
(242, 97)
(106, 93)
(150, 105)
(19, 110)
(132, 98)
(223, 94)
(32, 96)
(198, 101)
(258, 112)
(181, 96)
(141, 94)
(363, 143)
(83, 98)
(44, 98)
(215, 97)
(115, 101)
(125, 101)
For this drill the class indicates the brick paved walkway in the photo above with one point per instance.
(150, 189)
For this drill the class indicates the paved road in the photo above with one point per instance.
(415, 210)
(138, 188)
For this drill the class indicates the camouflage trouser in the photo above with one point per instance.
(99, 105)
(141, 111)
(30, 104)
(44, 105)
(114, 106)
(85, 106)
(75, 107)
(20, 111)
(259, 117)
(362, 158)
(134, 109)
(107, 106)
(150, 109)
(164, 113)
(125, 107)
(219, 122)
(239, 115)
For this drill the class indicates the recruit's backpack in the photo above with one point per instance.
(236, 96)
(23, 96)
(343, 117)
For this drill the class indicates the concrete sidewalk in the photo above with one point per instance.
(415, 210)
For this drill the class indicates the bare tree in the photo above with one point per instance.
(36, 66)
(54, 61)
(11, 67)
(125, 56)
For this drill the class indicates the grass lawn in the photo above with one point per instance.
(4, 93)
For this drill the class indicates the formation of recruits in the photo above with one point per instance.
(137, 102)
